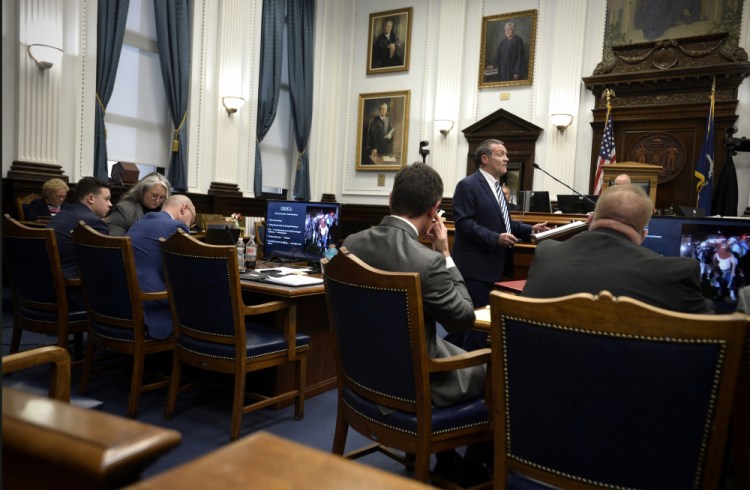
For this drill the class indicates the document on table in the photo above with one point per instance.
(294, 280)
(483, 314)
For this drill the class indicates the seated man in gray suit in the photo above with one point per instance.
(609, 257)
(394, 245)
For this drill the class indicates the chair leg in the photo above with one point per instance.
(136, 381)
(174, 385)
(299, 400)
(237, 403)
(422, 466)
(339, 437)
(87, 360)
(15, 340)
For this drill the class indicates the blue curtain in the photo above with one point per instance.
(173, 36)
(300, 42)
(270, 78)
(110, 30)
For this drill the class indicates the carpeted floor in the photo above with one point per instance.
(202, 416)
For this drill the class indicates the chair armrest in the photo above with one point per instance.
(468, 359)
(59, 387)
(267, 307)
(154, 296)
(69, 283)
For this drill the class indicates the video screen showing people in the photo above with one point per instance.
(720, 245)
(300, 230)
(321, 230)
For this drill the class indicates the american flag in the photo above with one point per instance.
(607, 155)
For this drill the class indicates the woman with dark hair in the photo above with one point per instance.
(147, 195)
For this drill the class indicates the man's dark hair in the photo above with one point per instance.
(485, 149)
(415, 188)
(88, 185)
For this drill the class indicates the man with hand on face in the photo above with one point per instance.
(178, 213)
(485, 233)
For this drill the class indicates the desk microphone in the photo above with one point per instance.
(536, 165)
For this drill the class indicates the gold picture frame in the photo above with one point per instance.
(507, 61)
(382, 141)
(389, 41)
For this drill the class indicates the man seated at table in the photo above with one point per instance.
(92, 203)
(394, 245)
(609, 257)
(177, 212)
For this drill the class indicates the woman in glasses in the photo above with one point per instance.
(147, 195)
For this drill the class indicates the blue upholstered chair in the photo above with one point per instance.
(601, 392)
(40, 292)
(217, 332)
(115, 305)
(384, 368)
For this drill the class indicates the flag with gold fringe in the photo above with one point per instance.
(704, 170)
(607, 153)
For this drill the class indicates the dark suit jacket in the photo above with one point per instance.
(479, 223)
(144, 238)
(63, 223)
(394, 246)
(39, 208)
(604, 259)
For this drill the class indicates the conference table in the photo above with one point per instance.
(311, 319)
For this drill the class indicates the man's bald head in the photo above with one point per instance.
(622, 179)
(625, 208)
(181, 208)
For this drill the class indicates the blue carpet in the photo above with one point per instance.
(202, 416)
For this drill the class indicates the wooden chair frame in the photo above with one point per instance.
(22, 202)
(603, 316)
(57, 357)
(140, 346)
(349, 270)
(182, 244)
(63, 326)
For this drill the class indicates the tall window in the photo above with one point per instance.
(137, 118)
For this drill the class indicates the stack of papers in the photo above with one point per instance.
(294, 280)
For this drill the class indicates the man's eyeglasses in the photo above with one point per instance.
(192, 213)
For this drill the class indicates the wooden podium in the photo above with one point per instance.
(640, 173)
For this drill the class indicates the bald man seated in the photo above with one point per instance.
(177, 213)
(622, 179)
(609, 256)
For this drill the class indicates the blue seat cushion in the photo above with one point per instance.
(118, 333)
(261, 340)
(49, 316)
(444, 419)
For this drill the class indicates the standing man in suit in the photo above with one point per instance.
(92, 203)
(178, 213)
(609, 257)
(485, 233)
(394, 245)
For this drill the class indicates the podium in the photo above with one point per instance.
(643, 174)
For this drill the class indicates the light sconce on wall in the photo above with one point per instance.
(561, 121)
(444, 126)
(232, 104)
(45, 55)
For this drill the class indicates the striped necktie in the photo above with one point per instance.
(503, 206)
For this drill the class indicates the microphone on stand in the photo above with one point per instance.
(536, 165)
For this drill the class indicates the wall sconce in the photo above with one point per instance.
(444, 126)
(232, 104)
(45, 55)
(562, 121)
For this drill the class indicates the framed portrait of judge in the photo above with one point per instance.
(383, 130)
(389, 41)
(507, 49)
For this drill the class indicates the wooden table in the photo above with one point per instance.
(312, 319)
(51, 444)
(263, 460)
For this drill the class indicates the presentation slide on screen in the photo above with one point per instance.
(300, 230)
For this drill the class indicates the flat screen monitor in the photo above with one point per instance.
(720, 245)
(300, 231)
(575, 204)
(534, 201)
